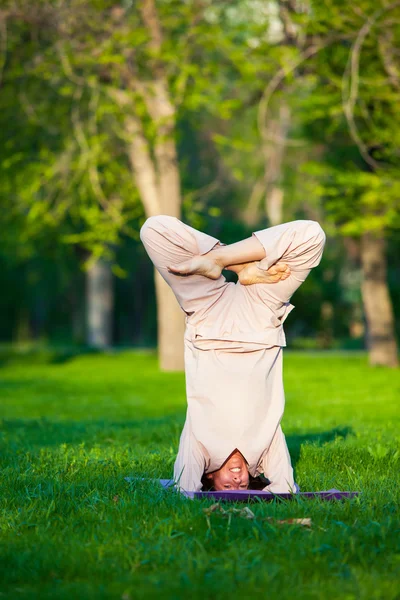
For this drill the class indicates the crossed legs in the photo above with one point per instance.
(240, 257)
(282, 255)
(191, 261)
(167, 240)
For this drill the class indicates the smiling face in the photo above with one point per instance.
(233, 475)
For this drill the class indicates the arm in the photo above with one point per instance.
(297, 243)
(277, 467)
(190, 462)
(300, 245)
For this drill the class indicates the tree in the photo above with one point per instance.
(138, 68)
(348, 93)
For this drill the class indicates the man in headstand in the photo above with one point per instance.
(233, 346)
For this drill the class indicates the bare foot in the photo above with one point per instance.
(237, 268)
(248, 273)
(198, 265)
(253, 274)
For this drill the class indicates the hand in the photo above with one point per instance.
(250, 273)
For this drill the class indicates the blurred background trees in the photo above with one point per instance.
(232, 116)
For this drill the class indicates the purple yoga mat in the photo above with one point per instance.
(249, 495)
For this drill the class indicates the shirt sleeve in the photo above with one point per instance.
(190, 462)
(298, 243)
(277, 467)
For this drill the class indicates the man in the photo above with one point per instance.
(233, 345)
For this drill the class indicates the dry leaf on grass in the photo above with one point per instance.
(304, 522)
(245, 512)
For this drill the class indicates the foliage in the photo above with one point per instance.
(348, 103)
(67, 188)
(77, 179)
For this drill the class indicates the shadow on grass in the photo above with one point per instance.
(42, 356)
(10, 355)
(295, 442)
(43, 432)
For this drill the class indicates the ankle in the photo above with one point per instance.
(218, 256)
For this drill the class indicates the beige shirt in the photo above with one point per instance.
(233, 350)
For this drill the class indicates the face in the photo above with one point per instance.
(233, 475)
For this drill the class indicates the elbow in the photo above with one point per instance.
(310, 230)
(143, 230)
(151, 223)
(315, 231)
(154, 223)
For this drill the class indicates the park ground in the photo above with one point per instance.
(73, 427)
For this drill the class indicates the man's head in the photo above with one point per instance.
(233, 475)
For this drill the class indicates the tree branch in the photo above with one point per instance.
(386, 53)
(152, 22)
(139, 154)
(286, 8)
(276, 81)
(351, 82)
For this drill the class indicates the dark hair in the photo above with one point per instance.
(255, 483)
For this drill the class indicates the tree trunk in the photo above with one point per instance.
(39, 314)
(278, 129)
(23, 331)
(377, 303)
(170, 317)
(274, 205)
(77, 318)
(350, 274)
(270, 185)
(153, 185)
(250, 214)
(156, 171)
(100, 302)
(158, 185)
(170, 327)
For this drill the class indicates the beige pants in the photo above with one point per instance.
(168, 240)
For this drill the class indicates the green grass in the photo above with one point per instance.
(71, 527)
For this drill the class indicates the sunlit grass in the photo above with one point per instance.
(71, 527)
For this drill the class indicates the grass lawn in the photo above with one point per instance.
(72, 428)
